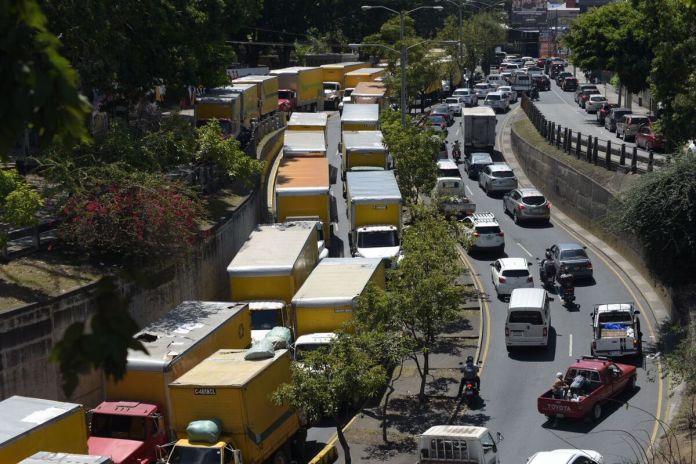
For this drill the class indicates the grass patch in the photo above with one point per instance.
(221, 204)
(613, 180)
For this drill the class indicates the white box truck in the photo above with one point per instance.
(479, 128)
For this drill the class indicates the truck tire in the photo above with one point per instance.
(597, 412)
(631, 384)
(280, 457)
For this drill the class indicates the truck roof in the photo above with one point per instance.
(126, 408)
(365, 71)
(369, 186)
(292, 70)
(478, 111)
(369, 89)
(342, 65)
(303, 175)
(21, 414)
(253, 78)
(45, 457)
(364, 141)
(459, 431)
(527, 298)
(360, 112)
(298, 118)
(336, 281)
(182, 328)
(608, 307)
(225, 368)
(304, 143)
(271, 250)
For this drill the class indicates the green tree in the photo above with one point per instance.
(612, 37)
(414, 155)
(42, 87)
(658, 210)
(426, 297)
(19, 203)
(330, 384)
(482, 33)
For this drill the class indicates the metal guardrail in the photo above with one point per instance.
(602, 153)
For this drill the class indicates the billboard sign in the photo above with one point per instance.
(528, 14)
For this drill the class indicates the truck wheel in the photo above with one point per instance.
(515, 218)
(280, 457)
(597, 412)
(631, 385)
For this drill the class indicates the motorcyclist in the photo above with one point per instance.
(470, 373)
(548, 269)
(534, 93)
(456, 151)
(565, 279)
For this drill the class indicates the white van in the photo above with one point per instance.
(496, 80)
(528, 319)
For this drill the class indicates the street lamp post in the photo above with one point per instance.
(403, 56)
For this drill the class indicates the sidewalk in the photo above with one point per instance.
(612, 95)
(406, 418)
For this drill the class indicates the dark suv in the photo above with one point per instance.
(613, 116)
(569, 84)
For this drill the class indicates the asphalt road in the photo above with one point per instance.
(512, 382)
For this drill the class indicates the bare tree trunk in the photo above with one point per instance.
(385, 407)
(344, 443)
(424, 375)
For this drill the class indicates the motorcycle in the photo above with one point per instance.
(547, 281)
(534, 94)
(568, 295)
(457, 155)
(470, 391)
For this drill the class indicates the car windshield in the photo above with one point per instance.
(598, 99)
(516, 273)
(265, 319)
(482, 86)
(573, 254)
(461, 93)
(481, 160)
(117, 426)
(493, 97)
(330, 86)
(452, 100)
(534, 200)
(448, 173)
(285, 94)
(639, 121)
(525, 317)
(348, 92)
(502, 174)
(436, 118)
(488, 230)
(194, 455)
(378, 239)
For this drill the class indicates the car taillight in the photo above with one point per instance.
(594, 346)
(501, 234)
(507, 332)
(530, 279)
(548, 205)
(502, 279)
(476, 234)
(545, 332)
(589, 265)
(521, 206)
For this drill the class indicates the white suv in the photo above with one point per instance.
(497, 177)
(508, 274)
(486, 232)
(498, 101)
(468, 96)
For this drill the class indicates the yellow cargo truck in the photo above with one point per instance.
(300, 89)
(248, 96)
(177, 342)
(29, 425)
(309, 122)
(363, 149)
(374, 208)
(353, 78)
(268, 270)
(226, 108)
(370, 92)
(335, 82)
(304, 143)
(360, 117)
(236, 392)
(326, 300)
(266, 92)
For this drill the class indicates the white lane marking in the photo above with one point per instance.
(570, 346)
(469, 190)
(525, 250)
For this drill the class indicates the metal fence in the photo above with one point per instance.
(602, 153)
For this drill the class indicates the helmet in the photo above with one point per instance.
(548, 255)
(559, 375)
(469, 359)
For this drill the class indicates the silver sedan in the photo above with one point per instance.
(527, 204)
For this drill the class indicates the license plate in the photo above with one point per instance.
(518, 333)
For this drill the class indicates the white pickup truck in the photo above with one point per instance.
(450, 196)
(458, 444)
(616, 330)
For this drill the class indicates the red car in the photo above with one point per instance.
(601, 380)
(647, 138)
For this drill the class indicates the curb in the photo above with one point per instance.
(327, 455)
(462, 256)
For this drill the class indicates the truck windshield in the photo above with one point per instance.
(116, 426)
(378, 239)
(285, 94)
(265, 319)
(302, 350)
(615, 317)
(191, 455)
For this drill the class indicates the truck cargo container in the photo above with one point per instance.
(334, 81)
(237, 392)
(458, 444)
(269, 268)
(374, 208)
(302, 190)
(353, 78)
(304, 143)
(370, 93)
(327, 299)
(363, 149)
(479, 128)
(44, 457)
(300, 88)
(226, 108)
(360, 117)
(266, 92)
(309, 122)
(175, 343)
(248, 96)
(29, 425)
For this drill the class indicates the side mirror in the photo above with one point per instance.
(552, 299)
(636, 312)
(491, 264)
(500, 437)
(548, 249)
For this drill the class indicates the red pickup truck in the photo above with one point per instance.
(604, 380)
